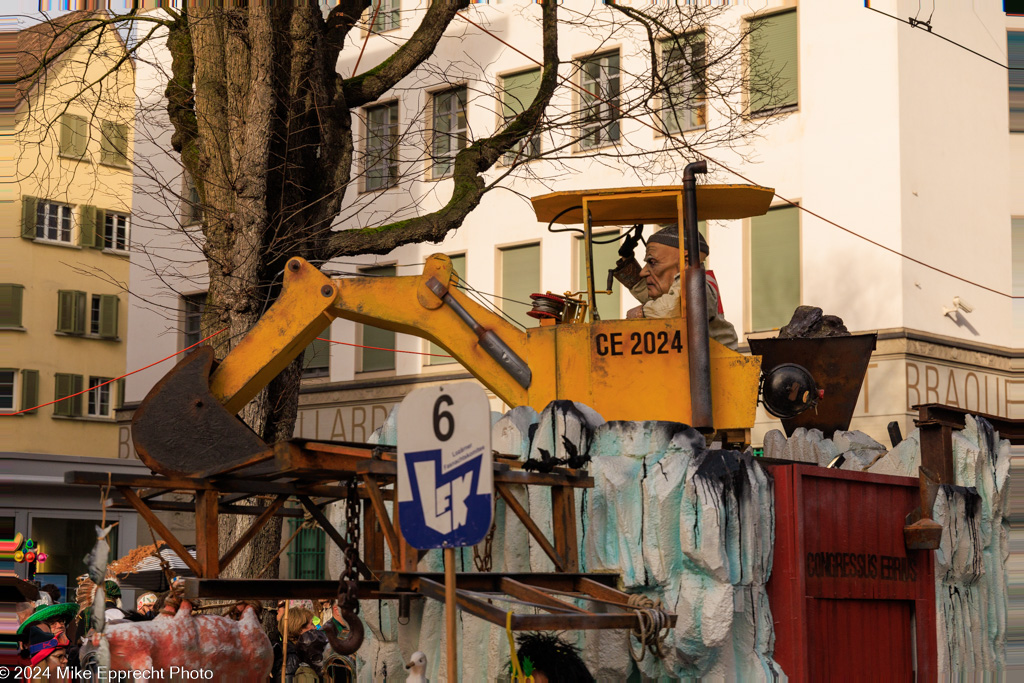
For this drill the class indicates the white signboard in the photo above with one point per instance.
(445, 475)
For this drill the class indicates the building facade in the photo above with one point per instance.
(894, 210)
(66, 216)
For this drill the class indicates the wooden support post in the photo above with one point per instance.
(450, 608)
(373, 538)
(515, 506)
(207, 551)
(563, 514)
(251, 532)
(407, 559)
(377, 500)
(160, 529)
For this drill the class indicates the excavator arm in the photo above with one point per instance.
(186, 424)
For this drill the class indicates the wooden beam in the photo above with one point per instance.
(490, 582)
(276, 589)
(531, 594)
(329, 529)
(377, 500)
(249, 487)
(373, 539)
(563, 518)
(253, 529)
(160, 529)
(530, 525)
(252, 510)
(207, 533)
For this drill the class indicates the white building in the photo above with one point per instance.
(898, 139)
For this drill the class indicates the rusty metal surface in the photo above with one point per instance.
(180, 429)
(1011, 430)
(838, 365)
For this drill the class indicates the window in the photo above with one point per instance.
(104, 315)
(459, 266)
(605, 256)
(683, 94)
(773, 63)
(520, 277)
(113, 144)
(306, 553)
(67, 386)
(316, 358)
(381, 146)
(387, 18)
(98, 397)
(53, 222)
(193, 307)
(7, 390)
(94, 315)
(517, 92)
(599, 78)
(71, 312)
(10, 305)
(382, 357)
(74, 136)
(115, 231)
(1017, 241)
(1015, 60)
(191, 204)
(774, 268)
(449, 133)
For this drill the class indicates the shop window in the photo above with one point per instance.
(66, 541)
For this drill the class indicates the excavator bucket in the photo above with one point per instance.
(180, 429)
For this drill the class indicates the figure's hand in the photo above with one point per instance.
(634, 313)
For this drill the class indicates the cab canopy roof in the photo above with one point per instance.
(658, 204)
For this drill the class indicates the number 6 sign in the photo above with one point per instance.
(445, 475)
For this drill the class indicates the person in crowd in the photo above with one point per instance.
(144, 603)
(292, 624)
(45, 654)
(551, 660)
(57, 620)
(53, 591)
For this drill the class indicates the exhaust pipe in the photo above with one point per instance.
(696, 307)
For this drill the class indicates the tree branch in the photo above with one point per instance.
(370, 85)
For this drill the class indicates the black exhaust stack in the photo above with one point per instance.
(696, 307)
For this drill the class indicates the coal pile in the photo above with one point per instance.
(809, 322)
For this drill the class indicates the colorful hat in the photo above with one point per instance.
(145, 599)
(42, 644)
(65, 611)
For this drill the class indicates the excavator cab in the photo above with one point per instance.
(642, 369)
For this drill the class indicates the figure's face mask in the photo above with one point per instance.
(661, 267)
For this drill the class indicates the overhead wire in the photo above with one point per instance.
(724, 166)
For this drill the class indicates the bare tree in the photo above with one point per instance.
(266, 129)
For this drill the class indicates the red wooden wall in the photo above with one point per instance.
(849, 601)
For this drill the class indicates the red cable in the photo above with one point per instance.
(381, 348)
(127, 374)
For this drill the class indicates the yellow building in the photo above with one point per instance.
(66, 217)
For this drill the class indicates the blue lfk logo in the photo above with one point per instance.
(447, 509)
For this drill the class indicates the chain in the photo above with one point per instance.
(485, 562)
(348, 582)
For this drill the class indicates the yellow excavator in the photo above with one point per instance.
(642, 369)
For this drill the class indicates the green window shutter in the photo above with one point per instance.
(459, 266)
(108, 148)
(774, 267)
(67, 135)
(518, 91)
(377, 359)
(29, 389)
(100, 239)
(66, 385)
(28, 217)
(70, 312)
(520, 277)
(605, 256)
(10, 305)
(87, 226)
(81, 136)
(108, 316)
(773, 62)
(120, 393)
(76, 401)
